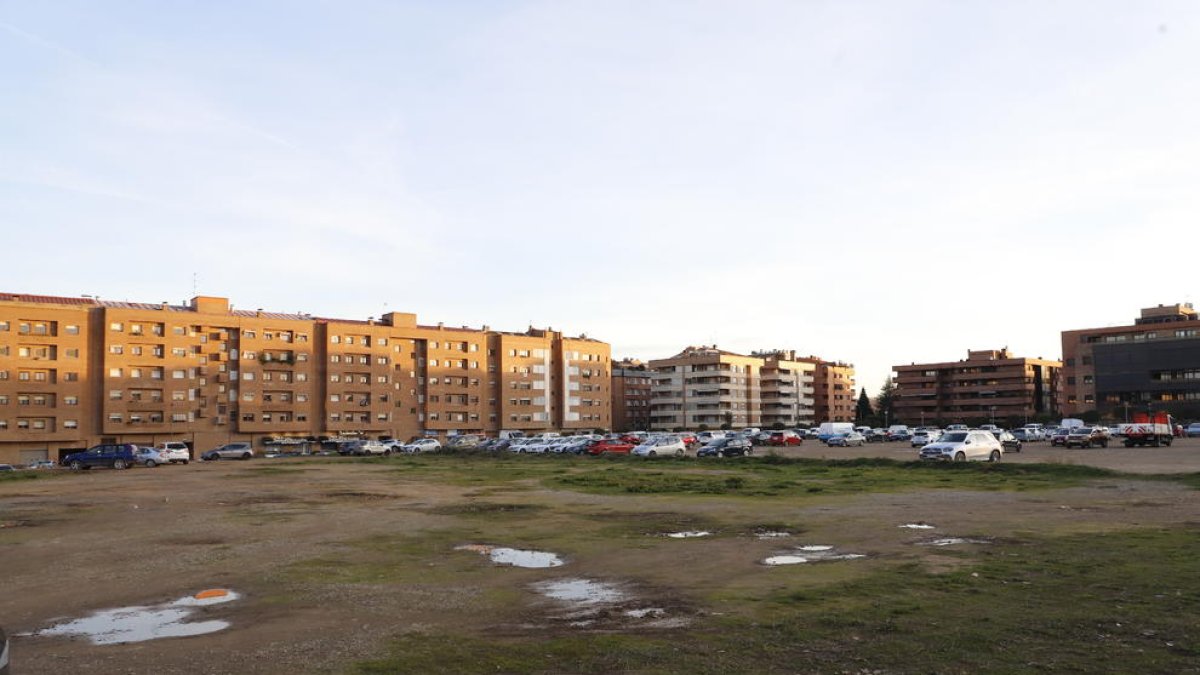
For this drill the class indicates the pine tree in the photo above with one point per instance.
(885, 401)
(863, 411)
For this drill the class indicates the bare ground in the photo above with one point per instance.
(334, 558)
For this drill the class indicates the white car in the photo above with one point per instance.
(923, 437)
(422, 445)
(365, 447)
(960, 446)
(662, 446)
(150, 457)
(520, 445)
(704, 437)
(175, 451)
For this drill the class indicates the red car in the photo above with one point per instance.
(609, 446)
(783, 438)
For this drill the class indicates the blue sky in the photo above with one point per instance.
(877, 182)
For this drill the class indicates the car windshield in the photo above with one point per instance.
(954, 437)
(1080, 432)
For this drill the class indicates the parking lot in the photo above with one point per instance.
(338, 562)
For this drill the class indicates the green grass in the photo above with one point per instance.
(773, 476)
(25, 475)
(1116, 603)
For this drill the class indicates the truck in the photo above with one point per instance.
(828, 430)
(1149, 429)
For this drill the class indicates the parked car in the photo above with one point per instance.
(365, 447)
(705, 437)
(175, 451)
(1086, 437)
(876, 436)
(661, 446)
(1008, 440)
(422, 444)
(1059, 436)
(7, 467)
(727, 447)
(229, 451)
(784, 438)
(115, 455)
(960, 446)
(923, 437)
(847, 439)
(150, 457)
(1193, 430)
(41, 464)
(610, 447)
(462, 442)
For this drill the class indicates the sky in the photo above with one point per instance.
(874, 182)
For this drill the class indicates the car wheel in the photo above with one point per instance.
(995, 457)
(150, 464)
(652, 453)
(185, 462)
(76, 465)
(118, 464)
(960, 457)
(749, 451)
(245, 455)
(214, 457)
(679, 453)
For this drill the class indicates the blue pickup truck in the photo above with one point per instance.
(115, 455)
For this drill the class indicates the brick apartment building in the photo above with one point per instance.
(76, 371)
(989, 385)
(710, 387)
(1154, 362)
(630, 396)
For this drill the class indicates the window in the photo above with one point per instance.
(116, 327)
(179, 374)
(70, 424)
(4, 328)
(116, 349)
(334, 339)
(72, 353)
(70, 400)
(249, 334)
(71, 330)
(114, 372)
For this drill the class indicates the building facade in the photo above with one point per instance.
(713, 388)
(1153, 363)
(75, 372)
(630, 396)
(988, 386)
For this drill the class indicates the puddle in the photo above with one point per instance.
(772, 535)
(785, 560)
(811, 554)
(514, 557)
(918, 526)
(952, 541)
(582, 591)
(689, 534)
(643, 613)
(139, 624)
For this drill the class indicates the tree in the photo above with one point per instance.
(863, 411)
(885, 402)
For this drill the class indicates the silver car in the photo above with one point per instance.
(230, 451)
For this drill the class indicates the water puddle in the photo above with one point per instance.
(810, 554)
(689, 534)
(645, 612)
(952, 541)
(581, 591)
(514, 557)
(139, 624)
(785, 560)
(918, 526)
(772, 535)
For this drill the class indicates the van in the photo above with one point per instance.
(828, 430)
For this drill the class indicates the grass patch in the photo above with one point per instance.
(485, 509)
(259, 471)
(1112, 603)
(27, 475)
(776, 476)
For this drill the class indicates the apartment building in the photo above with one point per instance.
(631, 393)
(710, 387)
(76, 371)
(989, 385)
(1154, 362)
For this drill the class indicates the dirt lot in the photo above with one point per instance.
(335, 559)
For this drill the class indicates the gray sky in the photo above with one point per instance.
(877, 182)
